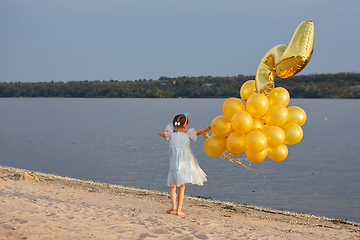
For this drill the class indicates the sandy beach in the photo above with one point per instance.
(36, 205)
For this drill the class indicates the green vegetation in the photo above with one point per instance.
(340, 85)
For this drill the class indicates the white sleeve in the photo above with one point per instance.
(168, 131)
(192, 134)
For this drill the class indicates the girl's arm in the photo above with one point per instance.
(201, 131)
(162, 133)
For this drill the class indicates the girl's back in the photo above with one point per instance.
(181, 139)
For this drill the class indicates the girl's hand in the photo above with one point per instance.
(201, 131)
(162, 133)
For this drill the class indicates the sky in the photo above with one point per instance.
(77, 40)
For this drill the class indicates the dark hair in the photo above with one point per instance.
(180, 120)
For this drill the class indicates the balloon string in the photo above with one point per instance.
(228, 157)
(237, 160)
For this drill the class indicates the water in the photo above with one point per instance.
(116, 141)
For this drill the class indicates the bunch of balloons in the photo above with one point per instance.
(266, 125)
(263, 129)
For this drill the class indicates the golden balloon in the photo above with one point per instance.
(277, 115)
(285, 61)
(274, 135)
(257, 105)
(257, 124)
(232, 106)
(293, 133)
(278, 153)
(256, 157)
(242, 122)
(296, 115)
(236, 143)
(279, 96)
(221, 126)
(247, 89)
(214, 146)
(256, 141)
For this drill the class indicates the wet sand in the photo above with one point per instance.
(36, 205)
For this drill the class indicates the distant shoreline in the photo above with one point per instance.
(327, 86)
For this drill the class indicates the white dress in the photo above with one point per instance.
(184, 167)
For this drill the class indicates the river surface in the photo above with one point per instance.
(116, 141)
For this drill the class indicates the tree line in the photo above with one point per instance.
(339, 85)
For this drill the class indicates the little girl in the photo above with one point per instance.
(184, 167)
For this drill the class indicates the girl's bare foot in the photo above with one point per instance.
(170, 210)
(180, 214)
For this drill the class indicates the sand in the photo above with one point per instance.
(35, 205)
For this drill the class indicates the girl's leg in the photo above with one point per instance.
(181, 191)
(172, 192)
